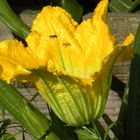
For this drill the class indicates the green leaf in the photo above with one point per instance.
(86, 134)
(123, 5)
(134, 92)
(121, 124)
(8, 136)
(14, 23)
(3, 125)
(24, 112)
(71, 6)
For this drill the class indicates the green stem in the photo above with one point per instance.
(123, 108)
(24, 112)
(12, 20)
(134, 93)
(107, 130)
(101, 130)
(121, 124)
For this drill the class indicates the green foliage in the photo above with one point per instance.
(8, 136)
(3, 126)
(86, 134)
(12, 21)
(134, 92)
(123, 5)
(24, 112)
(3, 130)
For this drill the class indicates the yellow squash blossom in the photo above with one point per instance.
(71, 64)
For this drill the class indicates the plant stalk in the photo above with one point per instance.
(134, 93)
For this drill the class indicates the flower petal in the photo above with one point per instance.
(67, 48)
(95, 38)
(15, 59)
(127, 51)
(54, 38)
(72, 102)
(104, 38)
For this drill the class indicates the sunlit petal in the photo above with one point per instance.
(127, 51)
(15, 60)
(67, 48)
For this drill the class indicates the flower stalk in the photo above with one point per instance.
(16, 25)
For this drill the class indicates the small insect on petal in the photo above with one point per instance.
(66, 44)
(53, 36)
